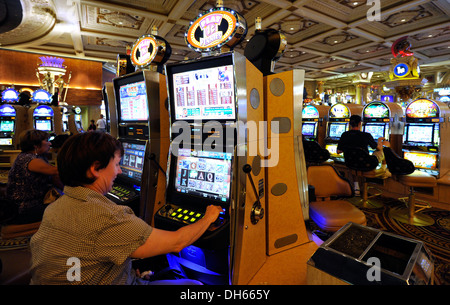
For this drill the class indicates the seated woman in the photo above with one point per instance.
(31, 177)
(85, 228)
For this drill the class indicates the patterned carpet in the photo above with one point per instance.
(436, 236)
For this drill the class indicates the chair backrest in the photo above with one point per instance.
(327, 182)
(314, 153)
(359, 159)
(396, 164)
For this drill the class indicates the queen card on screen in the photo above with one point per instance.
(204, 174)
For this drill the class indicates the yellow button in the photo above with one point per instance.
(173, 214)
(186, 218)
(198, 215)
(193, 219)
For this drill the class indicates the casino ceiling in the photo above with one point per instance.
(331, 40)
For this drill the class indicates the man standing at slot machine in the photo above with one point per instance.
(357, 138)
(86, 239)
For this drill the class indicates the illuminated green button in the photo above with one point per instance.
(180, 215)
(179, 210)
(173, 214)
(185, 211)
(191, 213)
(186, 217)
(193, 219)
(198, 215)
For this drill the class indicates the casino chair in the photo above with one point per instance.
(363, 165)
(404, 172)
(314, 153)
(329, 209)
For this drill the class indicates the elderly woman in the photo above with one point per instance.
(84, 227)
(31, 176)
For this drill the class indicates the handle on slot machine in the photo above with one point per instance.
(153, 158)
(257, 210)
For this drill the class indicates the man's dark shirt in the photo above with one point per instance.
(356, 138)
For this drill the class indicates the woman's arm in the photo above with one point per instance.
(162, 242)
(40, 166)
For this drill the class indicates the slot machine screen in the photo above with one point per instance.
(376, 130)
(6, 126)
(203, 90)
(133, 104)
(44, 125)
(420, 133)
(335, 130)
(422, 160)
(332, 149)
(201, 178)
(132, 162)
(6, 141)
(308, 129)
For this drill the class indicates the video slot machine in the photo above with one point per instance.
(212, 98)
(338, 122)
(314, 118)
(75, 121)
(424, 138)
(384, 120)
(45, 116)
(13, 120)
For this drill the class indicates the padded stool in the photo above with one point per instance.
(331, 215)
(407, 175)
(13, 231)
(327, 211)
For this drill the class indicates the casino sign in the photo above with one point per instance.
(148, 49)
(217, 28)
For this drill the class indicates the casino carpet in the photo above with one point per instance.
(436, 237)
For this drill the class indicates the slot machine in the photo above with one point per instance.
(424, 142)
(143, 129)
(13, 119)
(338, 122)
(314, 118)
(214, 158)
(75, 121)
(384, 120)
(44, 116)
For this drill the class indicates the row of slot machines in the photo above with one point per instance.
(417, 133)
(186, 146)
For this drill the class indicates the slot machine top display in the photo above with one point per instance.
(10, 96)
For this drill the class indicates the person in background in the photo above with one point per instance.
(31, 177)
(103, 236)
(357, 138)
(101, 123)
(92, 126)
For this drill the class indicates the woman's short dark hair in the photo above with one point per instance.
(31, 137)
(80, 151)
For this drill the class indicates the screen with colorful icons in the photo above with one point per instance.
(420, 133)
(133, 103)
(339, 111)
(205, 94)
(376, 110)
(309, 129)
(335, 130)
(204, 174)
(44, 125)
(422, 108)
(376, 130)
(422, 160)
(6, 126)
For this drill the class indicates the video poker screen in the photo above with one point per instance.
(44, 125)
(6, 125)
(420, 133)
(203, 89)
(133, 104)
(337, 129)
(132, 162)
(376, 130)
(204, 176)
(308, 129)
